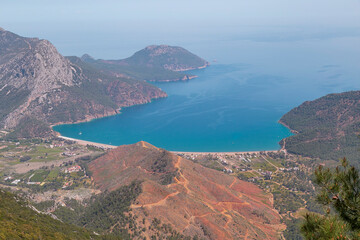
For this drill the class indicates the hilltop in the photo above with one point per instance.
(185, 196)
(160, 63)
(168, 57)
(326, 128)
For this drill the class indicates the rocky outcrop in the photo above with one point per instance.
(31, 65)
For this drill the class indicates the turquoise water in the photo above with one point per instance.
(235, 104)
(218, 111)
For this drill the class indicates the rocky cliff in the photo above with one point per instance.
(37, 81)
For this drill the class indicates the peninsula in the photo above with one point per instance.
(39, 87)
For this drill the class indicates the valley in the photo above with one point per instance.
(61, 175)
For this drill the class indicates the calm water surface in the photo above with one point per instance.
(235, 104)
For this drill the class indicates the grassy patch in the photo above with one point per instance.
(44, 154)
(265, 166)
(53, 174)
(39, 176)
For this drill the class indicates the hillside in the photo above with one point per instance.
(326, 128)
(186, 197)
(18, 221)
(37, 81)
(153, 63)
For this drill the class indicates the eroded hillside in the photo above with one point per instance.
(194, 200)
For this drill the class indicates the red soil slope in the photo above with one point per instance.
(196, 200)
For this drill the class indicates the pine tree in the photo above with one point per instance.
(340, 196)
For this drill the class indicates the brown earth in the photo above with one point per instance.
(195, 200)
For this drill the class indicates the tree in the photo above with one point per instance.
(340, 195)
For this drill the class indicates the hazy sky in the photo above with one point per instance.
(131, 21)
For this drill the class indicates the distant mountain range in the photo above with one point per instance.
(326, 128)
(40, 85)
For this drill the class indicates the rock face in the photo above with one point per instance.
(193, 199)
(326, 128)
(37, 81)
(32, 67)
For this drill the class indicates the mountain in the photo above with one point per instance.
(326, 128)
(19, 221)
(37, 81)
(154, 63)
(167, 57)
(186, 197)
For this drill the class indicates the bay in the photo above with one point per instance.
(235, 104)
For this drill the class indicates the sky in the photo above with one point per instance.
(76, 25)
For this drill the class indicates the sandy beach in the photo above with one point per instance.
(84, 143)
(107, 146)
(224, 153)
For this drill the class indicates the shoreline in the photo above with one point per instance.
(285, 125)
(227, 153)
(110, 114)
(85, 143)
(108, 146)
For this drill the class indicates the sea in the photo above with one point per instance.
(234, 104)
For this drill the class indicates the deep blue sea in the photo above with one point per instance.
(235, 104)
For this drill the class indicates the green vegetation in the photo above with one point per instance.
(40, 175)
(18, 221)
(29, 127)
(340, 195)
(327, 127)
(10, 99)
(154, 63)
(141, 72)
(110, 210)
(105, 212)
(166, 57)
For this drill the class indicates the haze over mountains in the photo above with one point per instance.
(37, 82)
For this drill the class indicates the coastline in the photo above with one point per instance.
(285, 125)
(85, 143)
(108, 114)
(114, 112)
(226, 153)
(108, 146)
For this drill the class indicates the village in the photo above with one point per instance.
(41, 165)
